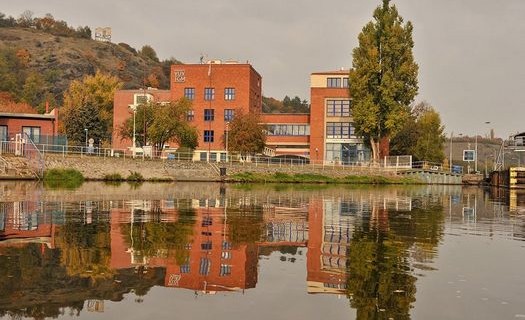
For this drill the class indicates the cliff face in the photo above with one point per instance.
(59, 60)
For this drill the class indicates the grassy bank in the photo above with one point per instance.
(316, 178)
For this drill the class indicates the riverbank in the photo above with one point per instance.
(110, 169)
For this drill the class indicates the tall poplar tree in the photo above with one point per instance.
(383, 81)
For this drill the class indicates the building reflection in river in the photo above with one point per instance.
(363, 244)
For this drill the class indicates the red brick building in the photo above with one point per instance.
(34, 125)
(218, 91)
(332, 133)
(287, 134)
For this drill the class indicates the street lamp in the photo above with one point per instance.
(86, 131)
(134, 108)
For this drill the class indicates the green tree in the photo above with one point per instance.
(95, 93)
(149, 52)
(383, 81)
(246, 134)
(77, 119)
(33, 91)
(164, 122)
(421, 135)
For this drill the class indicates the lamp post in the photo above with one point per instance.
(134, 108)
(450, 147)
(86, 132)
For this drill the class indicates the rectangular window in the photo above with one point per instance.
(288, 130)
(226, 255)
(141, 98)
(208, 135)
(206, 245)
(209, 94)
(339, 130)
(226, 270)
(3, 133)
(33, 133)
(346, 82)
(223, 157)
(229, 93)
(204, 266)
(190, 116)
(228, 114)
(226, 245)
(213, 158)
(185, 268)
(209, 114)
(338, 108)
(189, 93)
(203, 156)
(333, 82)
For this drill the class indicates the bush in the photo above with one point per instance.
(63, 178)
(135, 176)
(113, 177)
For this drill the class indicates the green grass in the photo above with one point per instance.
(63, 178)
(113, 177)
(135, 176)
(279, 177)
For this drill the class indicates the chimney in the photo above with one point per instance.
(47, 107)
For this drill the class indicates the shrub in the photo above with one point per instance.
(113, 177)
(63, 178)
(135, 176)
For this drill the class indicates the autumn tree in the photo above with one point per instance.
(94, 93)
(383, 81)
(421, 135)
(164, 122)
(246, 135)
(149, 52)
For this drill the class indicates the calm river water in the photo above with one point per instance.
(203, 251)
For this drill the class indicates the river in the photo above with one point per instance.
(205, 250)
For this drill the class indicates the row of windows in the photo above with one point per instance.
(32, 132)
(209, 94)
(337, 82)
(209, 115)
(288, 129)
(338, 108)
(339, 130)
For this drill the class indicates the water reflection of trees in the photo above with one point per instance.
(382, 255)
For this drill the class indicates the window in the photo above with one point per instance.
(213, 158)
(209, 114)
(229, 93)
(204, 266)
(206, 222)
(209, 94)
(226, 255)
(3, 133)
(288, 130)
(185, 268)
(141, 98)
(33, 133)
(226, 270)
(338, 108)
(226, 245)
(208, 135)
(190, 116)
(346, 82)
(228, 114)
(206, 245)
(333, 82)
(223, 156)
(189, 93)
(339, 130)
(203, 156)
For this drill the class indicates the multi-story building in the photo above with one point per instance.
(332, 133)
(218, 91)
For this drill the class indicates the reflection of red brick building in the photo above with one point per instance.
(213, 264)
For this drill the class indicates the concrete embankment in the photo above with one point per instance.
(97, 168)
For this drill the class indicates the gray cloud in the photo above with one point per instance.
(470, 52)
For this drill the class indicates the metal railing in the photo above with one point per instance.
(23, 146)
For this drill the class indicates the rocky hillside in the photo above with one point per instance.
(51, 62)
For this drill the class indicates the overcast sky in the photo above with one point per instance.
(470, 52)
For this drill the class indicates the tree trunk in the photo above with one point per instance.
(375, 151)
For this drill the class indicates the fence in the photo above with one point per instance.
(389, 164)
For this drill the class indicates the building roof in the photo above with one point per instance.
(27, 115)
(334, 72)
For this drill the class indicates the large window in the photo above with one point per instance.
(346, 82)
(229, 93)
(208, 135)
(288, 129)
(209, 114)
(339, 130)
(33, 133)
(333, 82)
(338, 108)
(209, 94)
(189, 93)
(3, 133)
(141, 98)
(228, 114)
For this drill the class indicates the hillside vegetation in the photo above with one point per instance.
(39, 60)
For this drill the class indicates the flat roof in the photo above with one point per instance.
(27, 115)
(336, 72)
